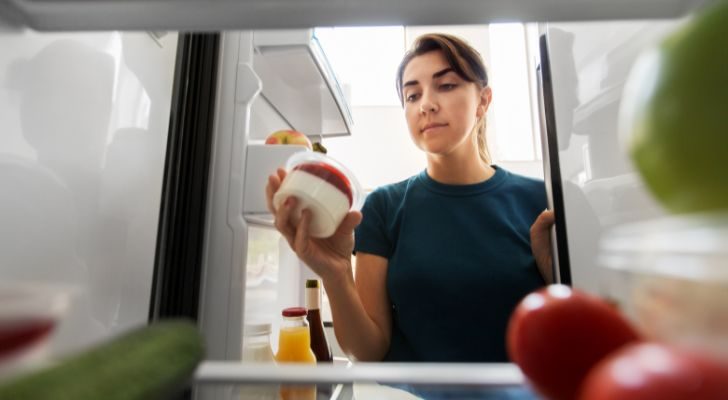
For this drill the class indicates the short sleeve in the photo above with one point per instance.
(372, 235)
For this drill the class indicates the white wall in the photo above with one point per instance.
(380, 150)
(83, 129)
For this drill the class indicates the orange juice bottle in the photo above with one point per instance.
(294, 346)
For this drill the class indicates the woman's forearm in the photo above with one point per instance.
(357, 333)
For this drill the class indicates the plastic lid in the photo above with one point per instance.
(258, 328)
(312, 283)
(294, 312)
(692, 234)
(303, 157)
(688, 246)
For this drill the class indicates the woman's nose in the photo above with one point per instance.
(428, 103)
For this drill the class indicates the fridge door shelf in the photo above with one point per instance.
(260, 220)
(299, 84)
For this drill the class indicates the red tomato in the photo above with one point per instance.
(557, 334)
(656, 371)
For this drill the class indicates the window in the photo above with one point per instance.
(513, 133)
(365, 61)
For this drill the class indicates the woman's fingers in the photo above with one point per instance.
(351, 221)
(544, 221)
(541, 244)
(274, 183)
(302, 237)
(270, 190)
(283, 220)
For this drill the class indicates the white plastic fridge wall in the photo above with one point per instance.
(83, 132)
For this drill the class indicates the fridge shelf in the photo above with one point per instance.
(432, 374)
(262, 220)
(299, 83)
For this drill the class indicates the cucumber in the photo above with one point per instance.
(152, 362)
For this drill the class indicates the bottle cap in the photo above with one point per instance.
(312, 283)
(257, 328)
(294, 312)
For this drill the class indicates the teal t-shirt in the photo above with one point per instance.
(459, 262)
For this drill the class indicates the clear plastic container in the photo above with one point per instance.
(670, 276)
(256, 343)
(257, 349)
(324, 186)
(29, 313)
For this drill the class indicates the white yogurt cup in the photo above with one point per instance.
(322, 185)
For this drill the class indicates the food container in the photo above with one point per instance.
(670, 276)
(322, 185)
(29, 313)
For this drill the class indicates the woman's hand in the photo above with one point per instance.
(541, 244)
(330, 258)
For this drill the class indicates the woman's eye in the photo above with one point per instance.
(412, 97)
(448, 86)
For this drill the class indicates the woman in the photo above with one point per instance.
(443, 257)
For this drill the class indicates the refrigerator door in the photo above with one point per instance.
(593, 185)
(83, 132)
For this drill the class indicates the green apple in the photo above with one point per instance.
(288, 136)
(675, 114)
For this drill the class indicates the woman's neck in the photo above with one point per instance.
(458, 170)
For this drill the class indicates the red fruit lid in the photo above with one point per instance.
(294, 312)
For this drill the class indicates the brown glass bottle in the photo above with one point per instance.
(319, 344)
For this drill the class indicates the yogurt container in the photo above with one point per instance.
(670, 277)
(322, 185)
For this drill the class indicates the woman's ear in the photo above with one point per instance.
(486, 95)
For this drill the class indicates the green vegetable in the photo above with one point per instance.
(676, 115)
(152, 362)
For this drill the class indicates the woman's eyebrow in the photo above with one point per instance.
(442, 72)
(435, 76)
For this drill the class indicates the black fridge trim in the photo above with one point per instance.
(180, 236)
(557, 190)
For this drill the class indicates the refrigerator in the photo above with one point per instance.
(132, 163)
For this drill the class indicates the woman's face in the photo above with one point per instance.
(441, 108)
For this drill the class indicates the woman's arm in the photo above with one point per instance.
(361, 309)
(361, 313)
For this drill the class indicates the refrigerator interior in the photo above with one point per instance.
(95, 203)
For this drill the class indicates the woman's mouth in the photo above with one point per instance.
(432, 126)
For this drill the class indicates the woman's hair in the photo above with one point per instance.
(463, 59)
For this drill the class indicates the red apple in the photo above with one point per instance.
(288, 136)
